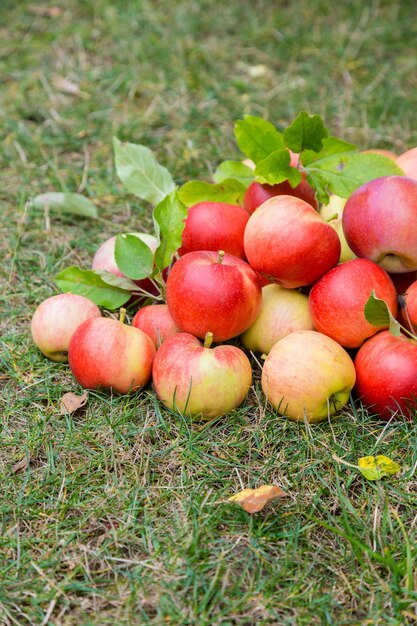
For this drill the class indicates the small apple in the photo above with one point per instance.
(380, 222)
(200, 381)
(407, 161)
(56, 319)
(386, 370)
(214, 292)
(104, 352)
(338, 299)
(287, 241)
(308, 376)
(283, 311)
(155, 320)
(215, 226)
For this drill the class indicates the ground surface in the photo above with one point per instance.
(119, 517)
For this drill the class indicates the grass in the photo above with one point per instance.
(120, 515)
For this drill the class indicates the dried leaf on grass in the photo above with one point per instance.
(21, 465)
(376, 467)
(253, 500)
(70, 402)
(45, 11)
(69, 87)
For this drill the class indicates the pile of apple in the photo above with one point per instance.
(282, 279)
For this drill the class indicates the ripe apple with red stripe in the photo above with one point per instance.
(198, 380)
(104, 352)
(288, 242)
(380, 222)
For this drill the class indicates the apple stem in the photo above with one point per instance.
(220, 256)
(208, 340)
(122, 315)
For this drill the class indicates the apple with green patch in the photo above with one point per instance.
(308, 376)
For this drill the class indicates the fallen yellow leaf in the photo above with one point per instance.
(375, 467)
(70, 402)
(253, 500)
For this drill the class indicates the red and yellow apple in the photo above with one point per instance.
(200, 381)
(55, 320)
(288, 242)
(104, 352)
(380, 222)
(308, 376)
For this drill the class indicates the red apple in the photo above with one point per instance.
(56, 319)
(215, 226)
(155, 320)
(213, 292)
(106, 353)
(287, 241)
(338, 299)
(380, 222)
(407, 161)
(283, 311)
(308, 376)
(386, 370)
(197, 380)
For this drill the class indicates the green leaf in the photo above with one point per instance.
(376, 467)
(257, 138)
(276, 168)
(305, 133)
(141, 173)
(331, 146)
(73, 203)
(229, 190)
(342, 175)
(378, 314)
(116, 281)
(169, 220)
(91, 285)
(133, 257)
(234, 169)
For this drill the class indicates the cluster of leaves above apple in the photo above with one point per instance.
(330, 165)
